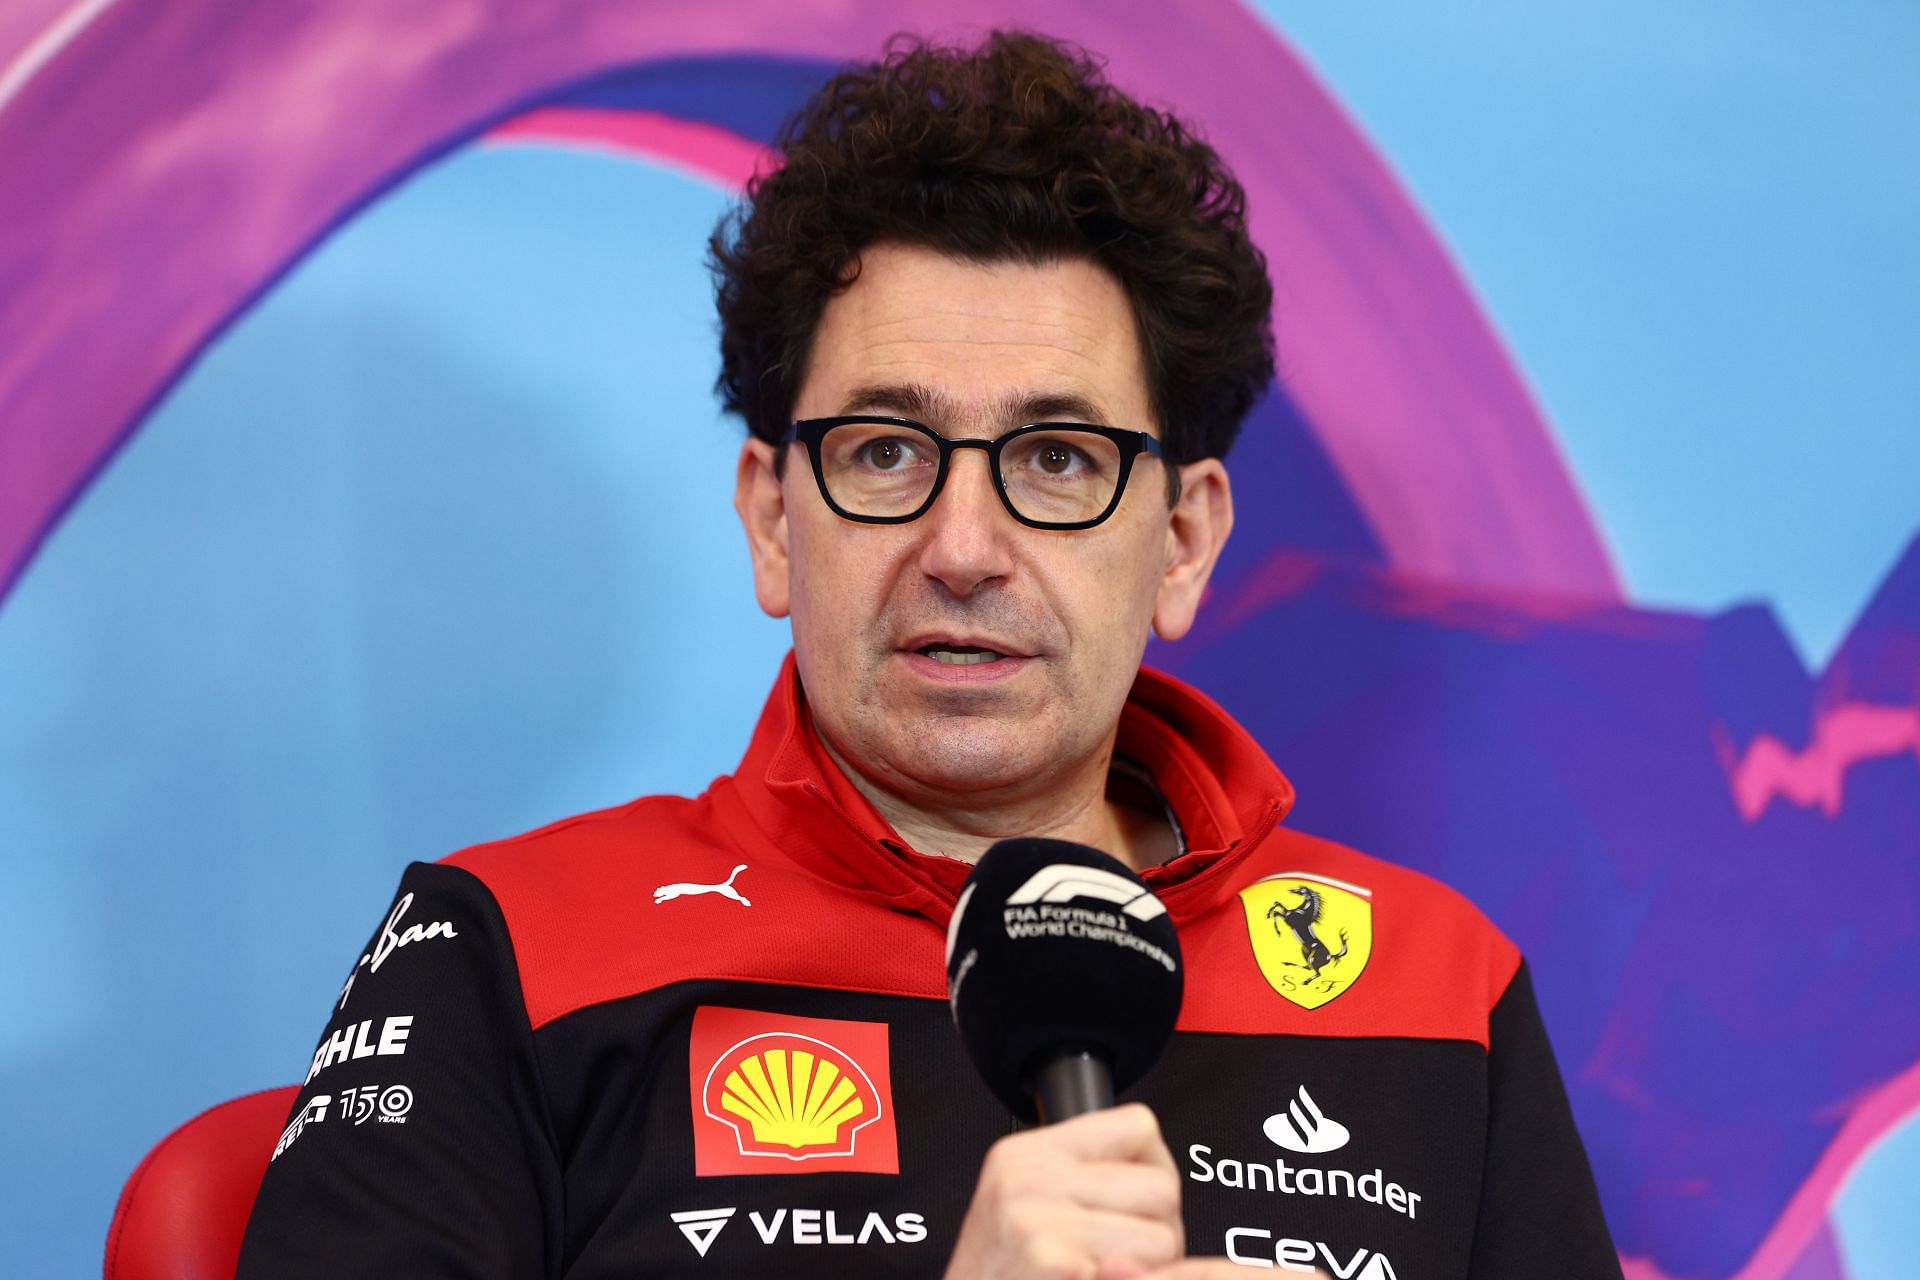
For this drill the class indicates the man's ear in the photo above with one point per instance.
(762, 508)
(1196, 530)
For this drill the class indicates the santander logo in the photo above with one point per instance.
(1304, 1128)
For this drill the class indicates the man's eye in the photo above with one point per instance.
(1058, 459)
(886, 455)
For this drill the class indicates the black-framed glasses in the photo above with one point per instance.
(1050, 475)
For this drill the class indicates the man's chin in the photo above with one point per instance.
(965, 755)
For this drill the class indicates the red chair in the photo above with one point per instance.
(182, 1213)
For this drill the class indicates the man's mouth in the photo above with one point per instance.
(959, 655)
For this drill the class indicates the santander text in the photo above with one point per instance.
(1299, 1180)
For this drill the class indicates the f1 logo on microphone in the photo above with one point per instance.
(1065, 881)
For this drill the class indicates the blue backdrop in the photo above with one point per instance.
(431, 544)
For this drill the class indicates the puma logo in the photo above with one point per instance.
(667, 892)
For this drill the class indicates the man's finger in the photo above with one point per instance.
(1118, 1133)
(1095, 1234)
(1207, 1269)
(1146, 1191)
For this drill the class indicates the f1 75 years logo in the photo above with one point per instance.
(1312, 935)
(779, 1093)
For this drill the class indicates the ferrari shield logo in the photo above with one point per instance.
(1312, 935)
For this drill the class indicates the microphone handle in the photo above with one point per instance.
(1072, 1085)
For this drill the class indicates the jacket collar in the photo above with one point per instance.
(1225, 792)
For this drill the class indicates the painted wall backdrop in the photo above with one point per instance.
(362, 496)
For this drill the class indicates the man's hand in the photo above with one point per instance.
(1092, 1198)
(1212, 1269)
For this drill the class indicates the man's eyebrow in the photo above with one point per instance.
(935, 407)
(913, 400)
(1019, 410)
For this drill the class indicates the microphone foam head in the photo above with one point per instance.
(1057, 948)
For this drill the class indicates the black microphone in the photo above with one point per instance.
(1063, 971)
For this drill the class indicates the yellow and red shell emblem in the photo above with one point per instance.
(790, 1095)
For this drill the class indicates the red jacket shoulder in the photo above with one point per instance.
(1404, 954)
(669, 889)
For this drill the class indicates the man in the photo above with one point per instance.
(992, 326)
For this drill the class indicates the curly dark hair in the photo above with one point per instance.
(1017, 151)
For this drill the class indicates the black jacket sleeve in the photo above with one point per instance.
(419, 1144)
(1539, 1209)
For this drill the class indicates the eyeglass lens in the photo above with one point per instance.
(880, 469)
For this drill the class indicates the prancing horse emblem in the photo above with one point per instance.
(668, 892)
(1300, 918)
(1312, 935)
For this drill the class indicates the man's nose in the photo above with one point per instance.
(968, 531)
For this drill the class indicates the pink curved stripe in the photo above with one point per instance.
(1875, 1116)
(1800, 1246)
(1642, 1269)
(1819, 1260)
(146, 208)
(1505, 613)
(27, 29)
(705, 151)
(1843, 737)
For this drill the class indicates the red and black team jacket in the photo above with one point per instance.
(709, 1037)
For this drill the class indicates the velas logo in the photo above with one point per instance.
(1312, 935)
(779, 1093)
(700, 1226)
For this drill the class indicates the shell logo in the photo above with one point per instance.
(772, 1091)
(796, 1096)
